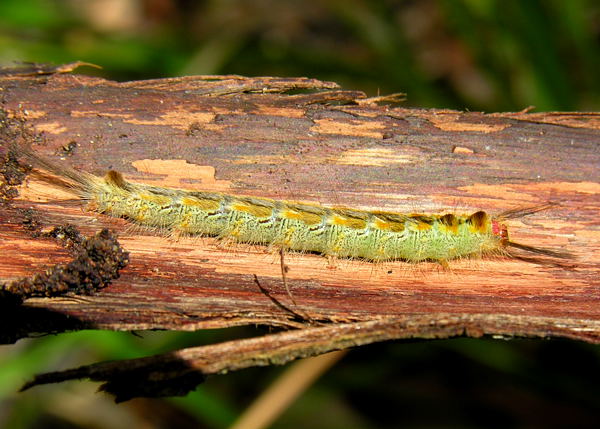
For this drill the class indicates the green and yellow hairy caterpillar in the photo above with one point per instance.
(338, 232)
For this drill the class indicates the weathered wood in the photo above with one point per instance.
(249, 136)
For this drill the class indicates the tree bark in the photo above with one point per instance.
(305, 140)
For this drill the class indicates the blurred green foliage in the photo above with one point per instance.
(490, 55)
(473, 54)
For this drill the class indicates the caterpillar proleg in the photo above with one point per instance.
(338, 232)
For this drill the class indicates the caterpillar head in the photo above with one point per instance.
(500, 230)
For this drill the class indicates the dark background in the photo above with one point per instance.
(488, 55)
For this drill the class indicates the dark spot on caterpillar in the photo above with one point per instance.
(115, 178)
(478, 219)
(449, 220)
(424, 219)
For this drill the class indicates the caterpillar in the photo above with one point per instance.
(334, 232)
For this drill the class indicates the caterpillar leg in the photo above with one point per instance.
(444, 263)
(331, 262)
